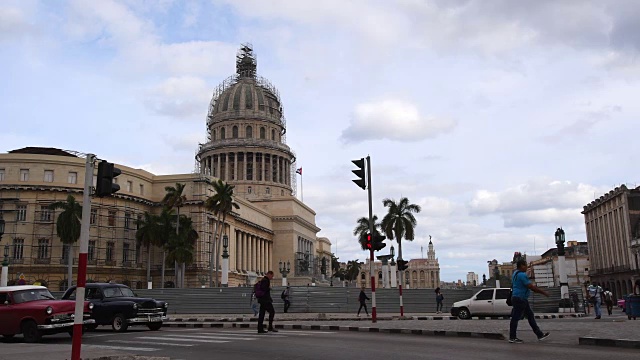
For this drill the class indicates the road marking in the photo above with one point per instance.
(126, 348)
(193, 340)
(247, 334)
(145, 343)
(213, 336)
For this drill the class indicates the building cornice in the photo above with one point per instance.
(298, 220)
(604, 198)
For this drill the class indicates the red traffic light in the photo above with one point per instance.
(369, 241)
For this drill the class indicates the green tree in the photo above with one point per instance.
(221, 204)
(399, 222)
(147, 234)
(362, 229)
(353, 270)
(174, 198)
(68, 228)
(180, 247)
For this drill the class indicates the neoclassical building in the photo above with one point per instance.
(246, 147)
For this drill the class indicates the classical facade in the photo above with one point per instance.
(246, 148)
(613, 233)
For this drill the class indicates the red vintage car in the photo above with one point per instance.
(33, 312)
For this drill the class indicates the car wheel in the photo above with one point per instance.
(30, 332)
(155, 326)
(464, 313)
(119, 323)
(9, 336)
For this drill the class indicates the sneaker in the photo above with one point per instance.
(544, 336)
(515, 341)
(358, 315)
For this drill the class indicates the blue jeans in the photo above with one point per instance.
(520, 307)
(597, 306)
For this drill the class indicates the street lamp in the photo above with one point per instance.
(5, 264)
(560, 241)
(392, 270)
(284, 270)
(562, 270)
(225, 261)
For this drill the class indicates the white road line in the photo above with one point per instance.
(146, 343)
(126, 348)
(185, 340)
(298, 332)
(213, 336)
(247, 334)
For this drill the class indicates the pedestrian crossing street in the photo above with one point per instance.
(159, 340)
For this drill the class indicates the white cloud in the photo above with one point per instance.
(394, 120)
(180, 97)
(13, 23)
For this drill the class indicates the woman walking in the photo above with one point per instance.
(439, 298)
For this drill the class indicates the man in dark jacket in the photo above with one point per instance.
(362, 298)
(266, 303)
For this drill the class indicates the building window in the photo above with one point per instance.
(223, 134)
(73, 177)
(45, 213)
(43, 248)
(267, 190)
(138, 221)
(263, 133)
(91, 251)
(24, 174)
(125, 252)
(127, 220)
(141, 189)
(249, 190)
(48, 176)
(18, 249)
(273, 135)
(111, 246)
(249, 132)
(21, 212)
(129, 186)
(234, 132)
(1, 174)
(94, 216)
(281, 192)
(112, 218)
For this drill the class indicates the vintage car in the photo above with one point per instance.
(32, 311)
(117, 305)
(492, 302)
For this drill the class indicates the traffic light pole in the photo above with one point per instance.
(373, 275)
(82, 261)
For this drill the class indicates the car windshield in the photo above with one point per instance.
(31, 295)
(112, 292)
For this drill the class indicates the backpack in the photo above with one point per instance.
(282, 296)
(257, 289)
(608, 296)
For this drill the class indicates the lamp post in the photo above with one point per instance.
(5, 263)
(225, 261)
(284, 270)
(392, 266)
(562, 269)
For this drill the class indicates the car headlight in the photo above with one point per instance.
(135, 306)
(166, 305)
(49, 310)
(90, 306)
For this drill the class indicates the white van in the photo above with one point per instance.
(491, 302)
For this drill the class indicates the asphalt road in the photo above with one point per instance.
(241, 344)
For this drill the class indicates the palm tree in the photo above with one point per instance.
(363, 228)
(174, 199)
(166, 230)
(353, 270)
(222, 204)
(180, 247)
(147, 235)
(68, 228)
(400, 223)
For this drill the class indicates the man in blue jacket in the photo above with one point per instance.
(522, 288)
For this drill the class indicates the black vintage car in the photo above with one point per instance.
(117, 305)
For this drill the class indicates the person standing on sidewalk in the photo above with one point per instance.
(266, 302)
(608, 299)
(439, 298)
(285, 298)
(522, 288)
(363, 298)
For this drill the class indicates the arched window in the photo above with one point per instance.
(213, 135)
(267, 190)
(249, 190)
(249, 132)
(234, 132)
(222, 134)
(273, 135)
(263, 133)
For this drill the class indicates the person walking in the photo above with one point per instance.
(608, 300)
(595, 297)
(363, 298)
(439, 298)
(522, 288)
(285, 297)
(263, 293)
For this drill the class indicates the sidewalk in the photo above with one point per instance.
(569, 329)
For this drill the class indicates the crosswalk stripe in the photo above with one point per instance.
(221, 337)
(126, 348)
(145, 343)
(184, 340)
(297, 332)
(253, 333)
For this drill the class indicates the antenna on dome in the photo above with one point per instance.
(246, 63)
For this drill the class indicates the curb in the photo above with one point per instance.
(383, 318)
(128, 357)
(244, 325)
(623, 343)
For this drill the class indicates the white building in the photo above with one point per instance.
(472, 279)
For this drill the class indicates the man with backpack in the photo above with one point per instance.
(608, 299)
(263, 293)
(594, 292)
(285, 297)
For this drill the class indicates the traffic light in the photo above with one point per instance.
(359, 173)
(402, 265)
(369, 244)
(106, 173)
(378, 242)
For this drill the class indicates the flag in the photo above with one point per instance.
(299, 171)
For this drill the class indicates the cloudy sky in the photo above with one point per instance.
(501, 119)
